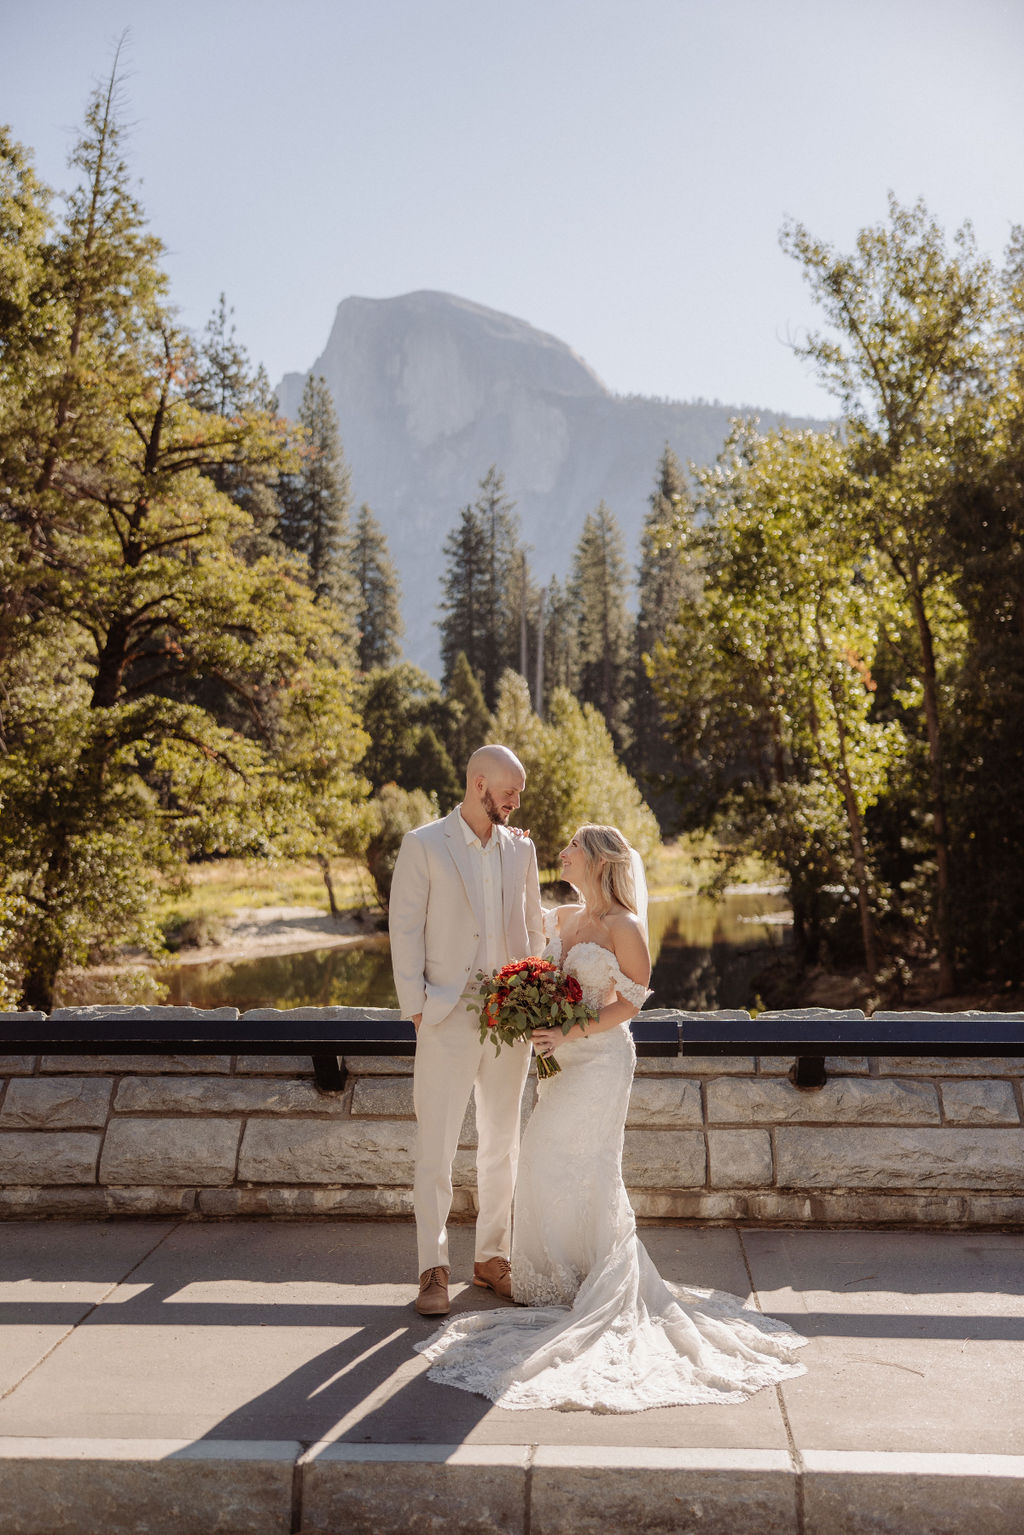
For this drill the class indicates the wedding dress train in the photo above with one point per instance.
(600, 1329)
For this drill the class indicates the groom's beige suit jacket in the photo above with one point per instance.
(434, 918)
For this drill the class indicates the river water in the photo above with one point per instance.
(706, 955)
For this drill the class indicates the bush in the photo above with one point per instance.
(395, 812)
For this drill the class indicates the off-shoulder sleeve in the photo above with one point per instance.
(630, 991)
(551, 933)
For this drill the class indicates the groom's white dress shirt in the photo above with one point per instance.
(485, 859)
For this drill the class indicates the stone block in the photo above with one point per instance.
(48, 1156)
(740, 1159)
(39, 1203)
(848, 1157)
(380, 1065)
(186, 1151)
(383, 1098)
(20, 1018)
(812, 1015)
(157, 1011)
(103, 1065)
(835, 1065)
(863, 1492)
(222, 1095)
(916, 1015)
(17, 1065)
(56, 1103)
(694, 1065)
(843, 1100)
(274, 1065)
(654, 1491)
(665, 1101)
(949, 1066)
(719, 1014)
(162, 1487)
(410, 1489)
(305, 1203)
(979, 1101)
(664, 1159)
(316, 1014)
(391, 1098)
(348, 1151)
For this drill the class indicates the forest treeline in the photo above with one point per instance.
(200, 634)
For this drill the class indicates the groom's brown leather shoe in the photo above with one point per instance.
(433, 1297)
(496, 1275)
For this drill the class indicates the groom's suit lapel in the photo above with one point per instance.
(507, 849)
(459, 850)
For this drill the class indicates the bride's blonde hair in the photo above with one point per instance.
(606, 848)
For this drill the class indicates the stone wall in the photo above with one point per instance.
(907, 1141)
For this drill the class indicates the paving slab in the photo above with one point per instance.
(258, 1375)
(923, 1333)
(51, 1278)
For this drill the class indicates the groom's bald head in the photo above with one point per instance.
(492, 762)
(495, 778)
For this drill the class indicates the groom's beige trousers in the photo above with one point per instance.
(450, 1064)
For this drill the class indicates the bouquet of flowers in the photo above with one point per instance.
(525, 995)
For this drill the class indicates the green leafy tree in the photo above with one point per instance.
(794, 607)
(149, 670)
(405, 717)
(572, 773)
(985, 709)
(377, 616)
(909, 334)
(665, 580)
(395, 811)
(603, 629)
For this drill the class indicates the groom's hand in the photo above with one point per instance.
(417, 1019)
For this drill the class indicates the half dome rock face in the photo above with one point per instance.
(431, 390)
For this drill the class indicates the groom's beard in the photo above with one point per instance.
(497, 817)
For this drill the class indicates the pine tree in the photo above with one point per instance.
(557, 644)
(224, 383)
(503, 567)
(603, 628)
(462, 593)
(377, 615)
(666, 576)
(485, 566)
(315, 502)
(469, 720)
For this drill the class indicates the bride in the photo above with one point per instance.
(600, 1328)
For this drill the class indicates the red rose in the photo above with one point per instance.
(573, 989)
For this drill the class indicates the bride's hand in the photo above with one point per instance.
(546, 1041)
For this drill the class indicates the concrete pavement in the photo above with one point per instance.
(259, 1377)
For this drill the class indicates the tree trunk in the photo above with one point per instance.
(860, 867)
(325, 869)
(854, 824)
(41, 973)
(538, 685)
(929, 679)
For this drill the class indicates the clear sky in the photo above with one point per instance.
(613, 171)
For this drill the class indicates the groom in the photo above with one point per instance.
(465, 897)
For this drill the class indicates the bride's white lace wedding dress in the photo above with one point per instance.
(601, 1329)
